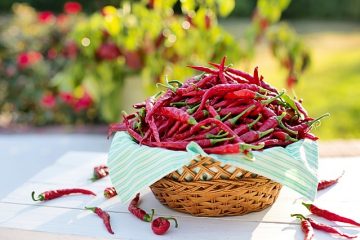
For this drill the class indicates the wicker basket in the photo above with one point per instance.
(207, 187)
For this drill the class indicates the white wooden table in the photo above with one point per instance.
(65, 218)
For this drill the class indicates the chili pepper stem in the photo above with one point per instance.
(298, 215)
(270, 100)
(90, 208)
(41, 198)
(307, 205)
(318, 119)
(150, 217)
(174, 219)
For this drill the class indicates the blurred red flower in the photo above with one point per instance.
(67, 98)
(133, 60)
(52, 53)
(45, 16)
(84, 102)
(72, 7)
(28, 58)
(70, 50)
(108, 51)
(48, 100)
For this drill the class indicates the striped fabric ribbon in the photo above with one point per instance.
(134, 167)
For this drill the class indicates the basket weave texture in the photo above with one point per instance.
(207, 187)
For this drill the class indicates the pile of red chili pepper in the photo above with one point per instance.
(224, 110)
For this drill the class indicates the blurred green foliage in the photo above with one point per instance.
(309, 9)
(83, 65)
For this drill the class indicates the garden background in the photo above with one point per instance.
(81, 63)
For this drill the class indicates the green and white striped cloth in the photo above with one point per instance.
(134, 167)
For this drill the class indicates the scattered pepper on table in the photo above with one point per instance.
(161, 225)
(103, 215)
(52, 194)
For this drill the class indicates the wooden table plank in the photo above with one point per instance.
(83, 223)
(66, 215)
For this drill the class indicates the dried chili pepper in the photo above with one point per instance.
(305, 226)
(243, 128)
(103, 215)
(110, 192)
(149, 106)
(177, 114)
(244, 94)
(236, 72)
(224, 88)
(52, 194)
(252, 135)
(115, 127)
(218, 123)
(159, 103)
(204, 69)
(323, 227)
(329, 215)
(99, 172)
(323, 184)
(272, 122)
(161, 225)
(283, 136)
(138, 212)
(233, 148)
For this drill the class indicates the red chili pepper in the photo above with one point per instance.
(329, 215)
(193, 100)
(237, 109)
(253, 136)
(236, 72)
(309, 136)
(173, 129)
(233, 148)
(305, 126)
(52, 194)
(323, 184)
(323, 227)
(181, 145)
(204, 69)
(139, 105)
(110, 192)
(138, 212)
(221, 71)
(151, 122)
(132, 133)
(283, 136)
(100, 171)
(274, 142)
(244, 93)
(161, 225)
(231, 122)
(177, 114)
(193, 93)
(115, 127)
(267, 86)
(212, 111)
(243, 128)
(301, 109)
(206, 80)
(103, 215)
(235, 78)
(159, 103)
(272, 122)
(267, 112)
(256, 76)
(305, 226)
(218, 123)
(224, 88)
